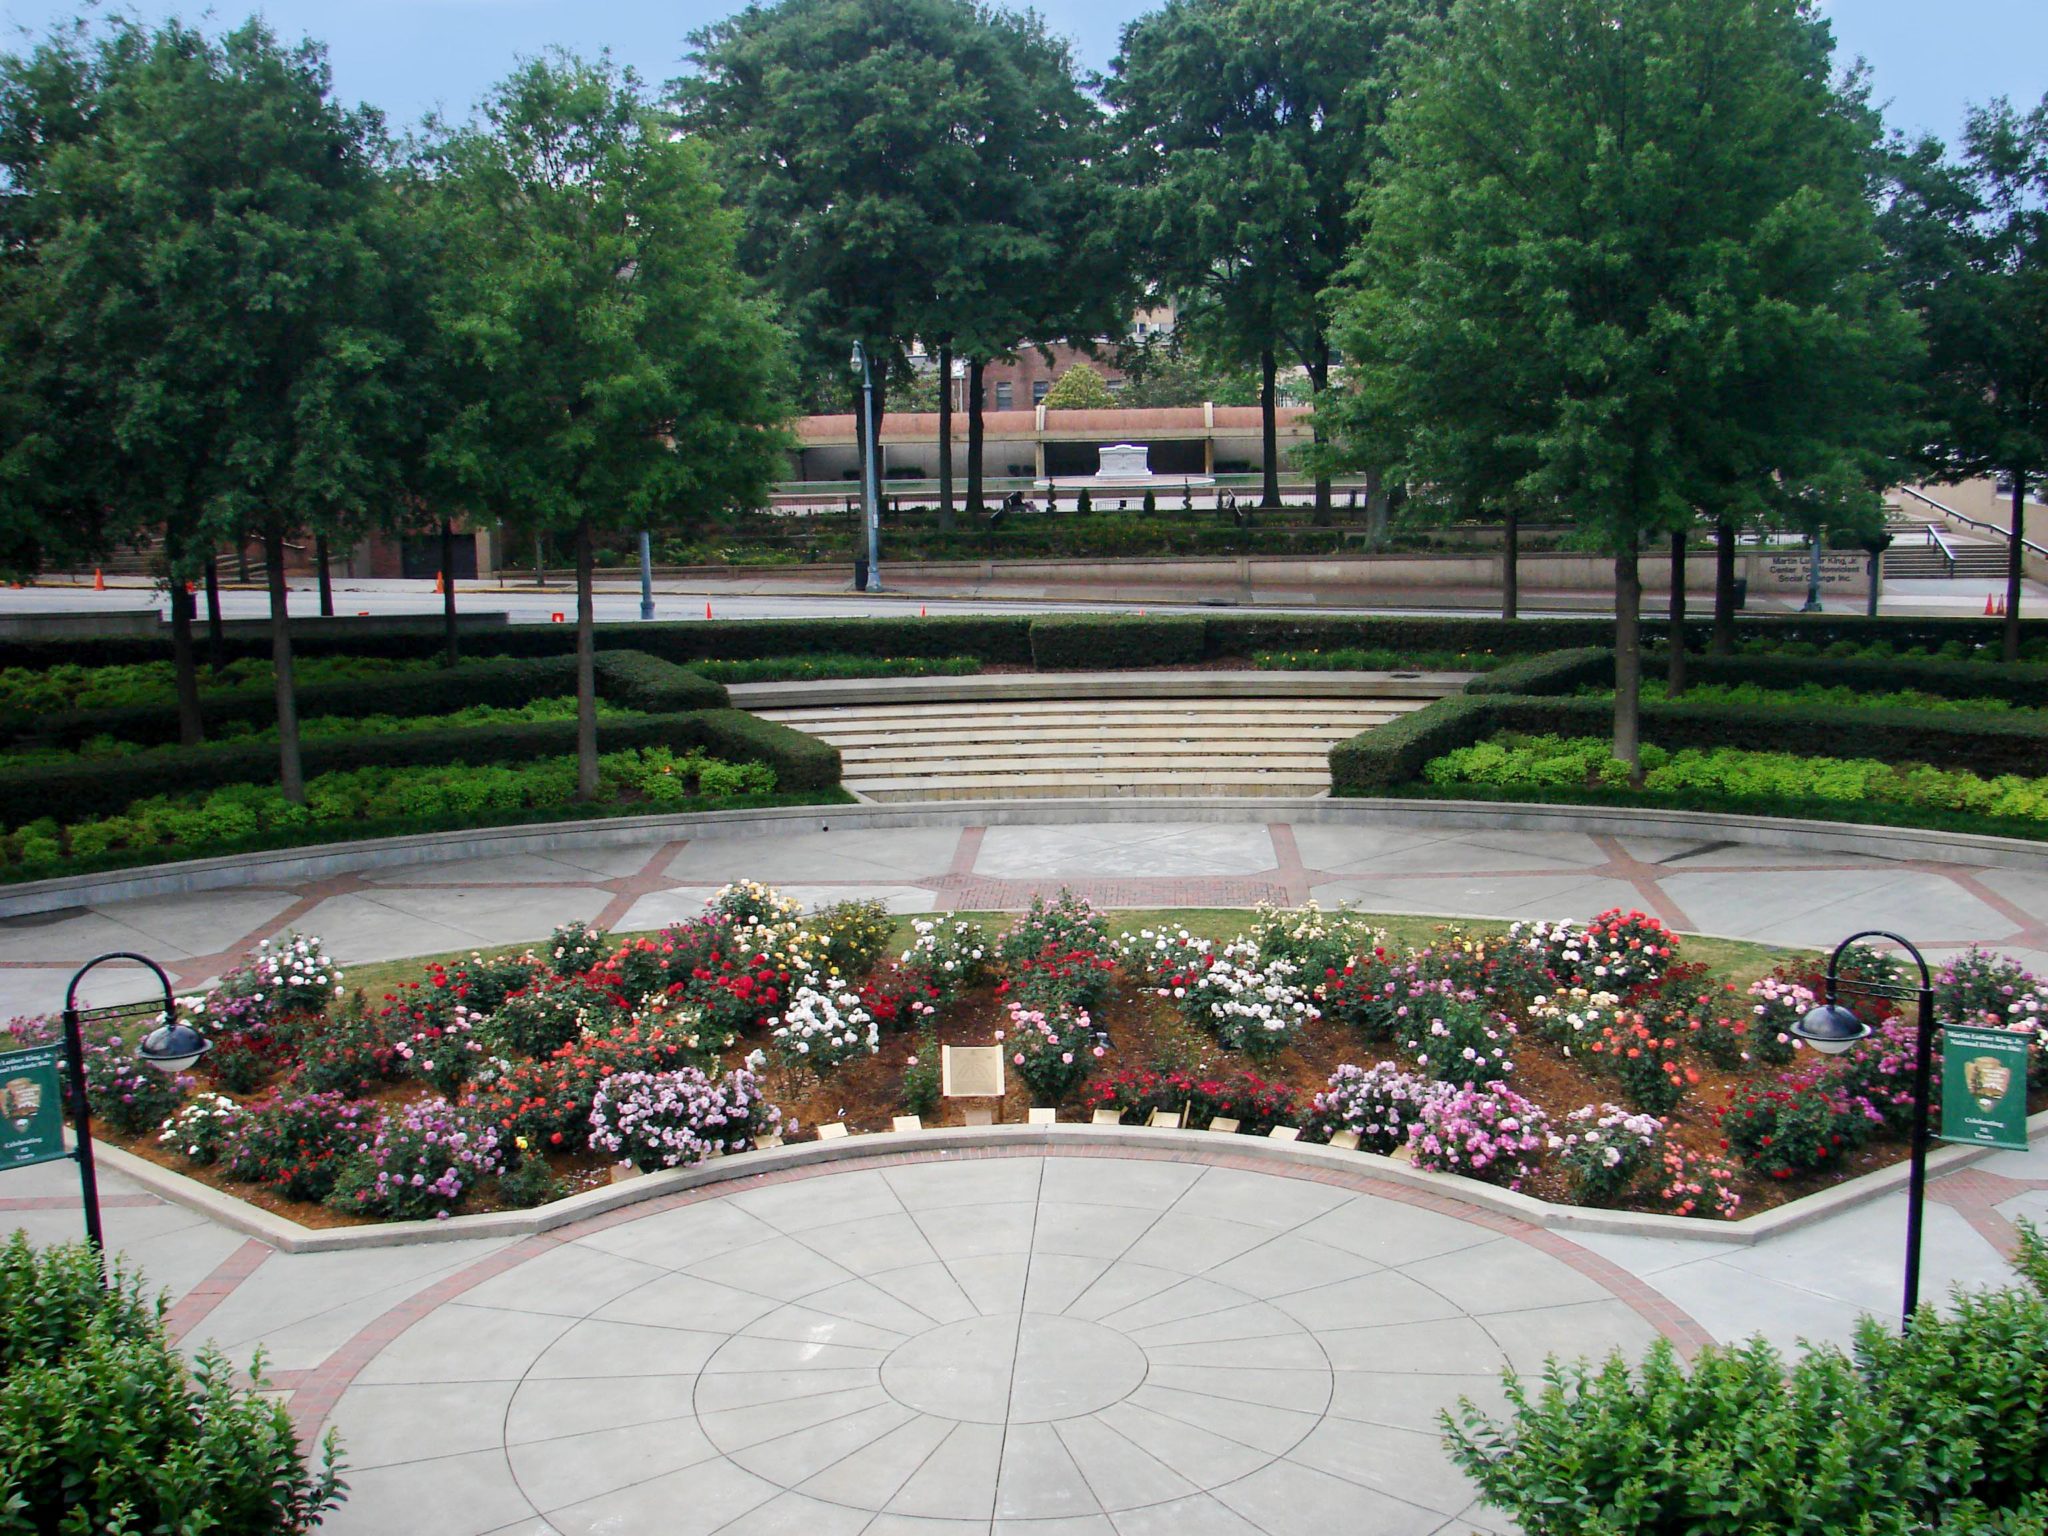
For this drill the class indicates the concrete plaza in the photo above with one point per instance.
(1110, 1342)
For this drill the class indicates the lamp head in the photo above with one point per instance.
(1830, 1029)
(173, 1047)
(859, 360)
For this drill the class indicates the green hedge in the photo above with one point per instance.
(1380, 760)
(1556, 672)
(1065, 642)
(106, 787)
(637, 680)
(2023, 685)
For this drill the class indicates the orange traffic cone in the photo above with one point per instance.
(440, 582)
(191, 589)
(1989, 611)
(920, 610)
(99, 582)
(707, 610)
(2001, 607)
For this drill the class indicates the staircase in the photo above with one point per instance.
(1170, 734)
(1916, 556)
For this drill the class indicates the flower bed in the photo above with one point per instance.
(1585, 1062)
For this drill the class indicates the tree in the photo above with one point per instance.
(212, 296)
(1080, 388)
(1170, 373)
(615, 367)
(920, 169)
(1250, 125)
(1971, 243)
(1625, 259)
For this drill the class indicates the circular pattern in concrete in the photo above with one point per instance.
(1055, 1343)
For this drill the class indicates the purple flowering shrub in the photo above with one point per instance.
(1053, 1047)
(422, 1161)
(1485, 1131)
(673, 1119)
(1379, 1103)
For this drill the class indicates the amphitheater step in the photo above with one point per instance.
(952, 748)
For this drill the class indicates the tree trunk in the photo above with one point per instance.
(1628, 662)
(2015, 565)
(945, 437)
(1269, 424)
(974, 430)
(1319, 380)
(1376, 500)
(451, 645)
(291, 775)
(242, 558)
(1674, 682)
(326, 580)
(191, 724)
(1723, 643)
(586, 669)
(1511, 565)
(216, 642)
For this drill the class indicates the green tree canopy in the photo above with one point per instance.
(1624, 265)
(207, 295)
(1971, 242)
(613, 365)
(1249, 126)
(1080, 388)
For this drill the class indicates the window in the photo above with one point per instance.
(1005, 396)
(1040, 388)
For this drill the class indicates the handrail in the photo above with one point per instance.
(1934, 537)
(1992, 528)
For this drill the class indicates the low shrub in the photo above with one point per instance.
(1358, 659)
(856, 935)
(673, 1119)
(1800, 1124)
(949, 956)
(575, 947)
(824, 1027)
(923, 1080)
(1606, 1152)
(1646, 1062)
(1377, 1104)
(1456, 1038)
(1317, 941)
(204, 1129)
(295, 1143)
(353, 1047)
(1932, 1430)
(1484, 1131)
(804, 669)
(654, 685)
(1388, 756)
(1053, 1049)
(422, 1162)
(1094, 641)
(1248, 1001)
(106, 1427)
(541, 1021)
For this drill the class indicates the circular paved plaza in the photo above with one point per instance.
(1045, 1343)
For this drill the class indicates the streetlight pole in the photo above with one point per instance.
(870, 491)
(646, 577)
(1832, 1029)
(170, 1047)
(1812, 604)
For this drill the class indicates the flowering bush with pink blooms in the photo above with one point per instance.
(673, 1119)
(422, 1161)
(446, 1052)
(1458, 1039)
(1378, 1104)
(1053, 1047)
(296, 1143)
(1991, 991)
(1688, 1183)
(1484, 1131)
(1776, 1005)
(1605, 1151)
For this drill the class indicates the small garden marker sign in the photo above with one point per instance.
(31, 1107)
(1984, 1087)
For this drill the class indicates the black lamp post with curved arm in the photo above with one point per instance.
(170, 1047)
(1832, 1029)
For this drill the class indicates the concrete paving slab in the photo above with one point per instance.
(895, 856)
(1099, 849)
(1817, 907)
(1507, 897)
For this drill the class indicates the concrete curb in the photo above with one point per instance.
(322, 861)
(289, 1236)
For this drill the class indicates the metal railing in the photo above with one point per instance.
(2002, 534)
(1948, 552)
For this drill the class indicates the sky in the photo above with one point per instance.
(1929, 60)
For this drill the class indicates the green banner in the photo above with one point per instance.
(31, 1106)
(1984, 1087)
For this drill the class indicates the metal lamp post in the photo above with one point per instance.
(646, 577)
(1832, 1029)
(870, 493)
(1812, 603)
(170, 1047)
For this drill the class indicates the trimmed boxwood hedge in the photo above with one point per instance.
(631, 679)
(2023, 685)
(1378, 761)
(1556, 672)
(1065, 642)
(106, 787)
